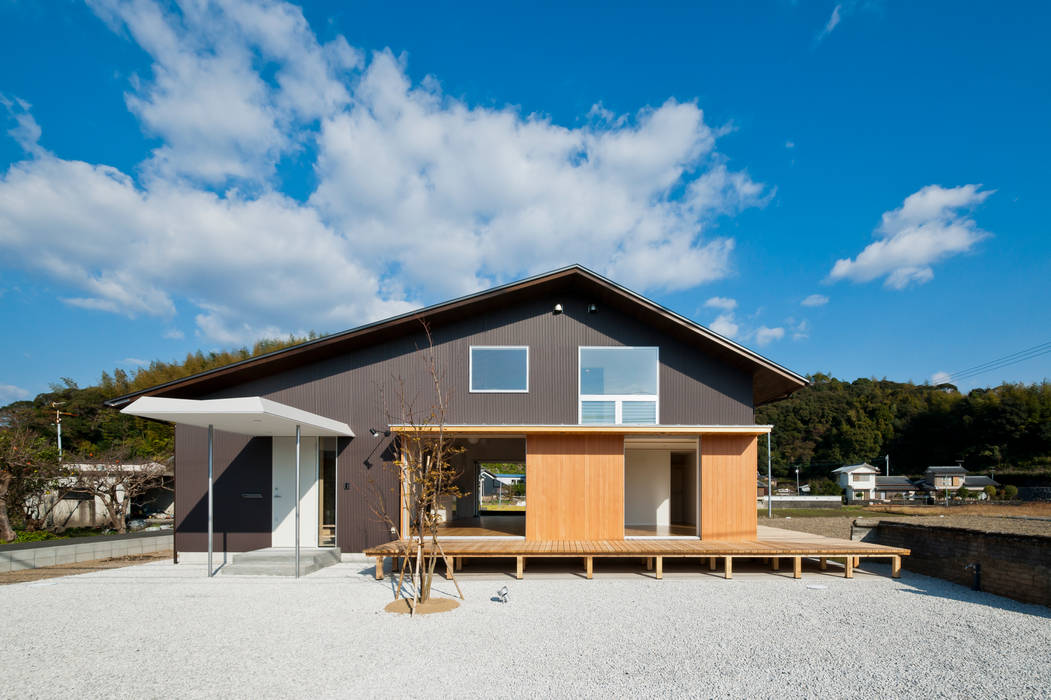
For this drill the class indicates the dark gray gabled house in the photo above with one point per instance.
(627, 415)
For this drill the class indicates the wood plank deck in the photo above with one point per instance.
(772, 543)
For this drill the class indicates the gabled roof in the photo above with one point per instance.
(979, 482)
(895, 483)
(955, 469)
(856, 467)
(770, 381)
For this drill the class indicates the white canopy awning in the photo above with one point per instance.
(247, 415)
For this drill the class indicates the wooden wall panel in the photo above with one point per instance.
(728, 469)
(575, 487)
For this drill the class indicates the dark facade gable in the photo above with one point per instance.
(769, 381)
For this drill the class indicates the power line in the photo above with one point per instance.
(1000, 362)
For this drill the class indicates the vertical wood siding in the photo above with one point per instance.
(361, 388)
(728, 468)
(575, 487)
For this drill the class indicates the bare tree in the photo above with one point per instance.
(116, 482)
(423, 470)
(28, 464)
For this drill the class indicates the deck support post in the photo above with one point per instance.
(711, 563)
(848, 568)
(379, 568)
(775, 563)
(729, 567)
(520, 561)
(895, 566)
(649, 563)
(857, 561)
(660, 567)
(458, 563)
(824, 563)
(797, 567)
(588, 565)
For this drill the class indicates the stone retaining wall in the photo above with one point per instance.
(1015, 566)
(32, 555)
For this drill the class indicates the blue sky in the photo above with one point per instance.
(857, 187)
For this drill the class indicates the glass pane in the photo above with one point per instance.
(618, 371)
(499, 369)
(327, 492)
(644, 412)
(598, 412)
(502, 487)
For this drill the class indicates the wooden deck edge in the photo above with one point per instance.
(474, 550)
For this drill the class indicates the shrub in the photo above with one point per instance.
(990, 492)
(35, 536)
(1010, 492)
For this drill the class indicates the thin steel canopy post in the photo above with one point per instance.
(297, 501)
(769, 481)
(211, 571)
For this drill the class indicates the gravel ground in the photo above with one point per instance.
(840, 526)
(159, 630)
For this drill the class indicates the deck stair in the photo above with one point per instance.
(280, 561)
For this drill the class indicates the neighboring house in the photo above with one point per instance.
(974, 482)
(942, 478)
(625, 414)
(890, 487)
(491, 484)
(80, 509)
(858, 481)
(939, 480)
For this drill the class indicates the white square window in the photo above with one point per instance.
(499, 369)
(618, 385)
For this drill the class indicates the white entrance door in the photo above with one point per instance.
(284, 504)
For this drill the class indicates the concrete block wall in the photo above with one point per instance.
(1015, 566)
(32, 555)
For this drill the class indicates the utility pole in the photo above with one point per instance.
(887, 459)
(797, 481)
(58, 423)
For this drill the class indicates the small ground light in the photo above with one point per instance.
(502, 594)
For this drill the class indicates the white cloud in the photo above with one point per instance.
(268, 261)
(764, 336)
(173, 334)
(790, 144)
(208, 99)
(833, 22)
(724, 324)
(419, 195)
(26, 132)
(10, 392)
(724, 303)
(815, 300)
(940, 378)
(135, 361)
(800, 330)
(927, 228)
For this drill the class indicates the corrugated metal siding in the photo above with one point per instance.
(240, 465)
(361, 388)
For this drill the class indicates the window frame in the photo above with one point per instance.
(619, 399)
(470, 369)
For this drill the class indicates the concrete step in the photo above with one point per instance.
(279, 562)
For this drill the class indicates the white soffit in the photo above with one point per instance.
(248, 415)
